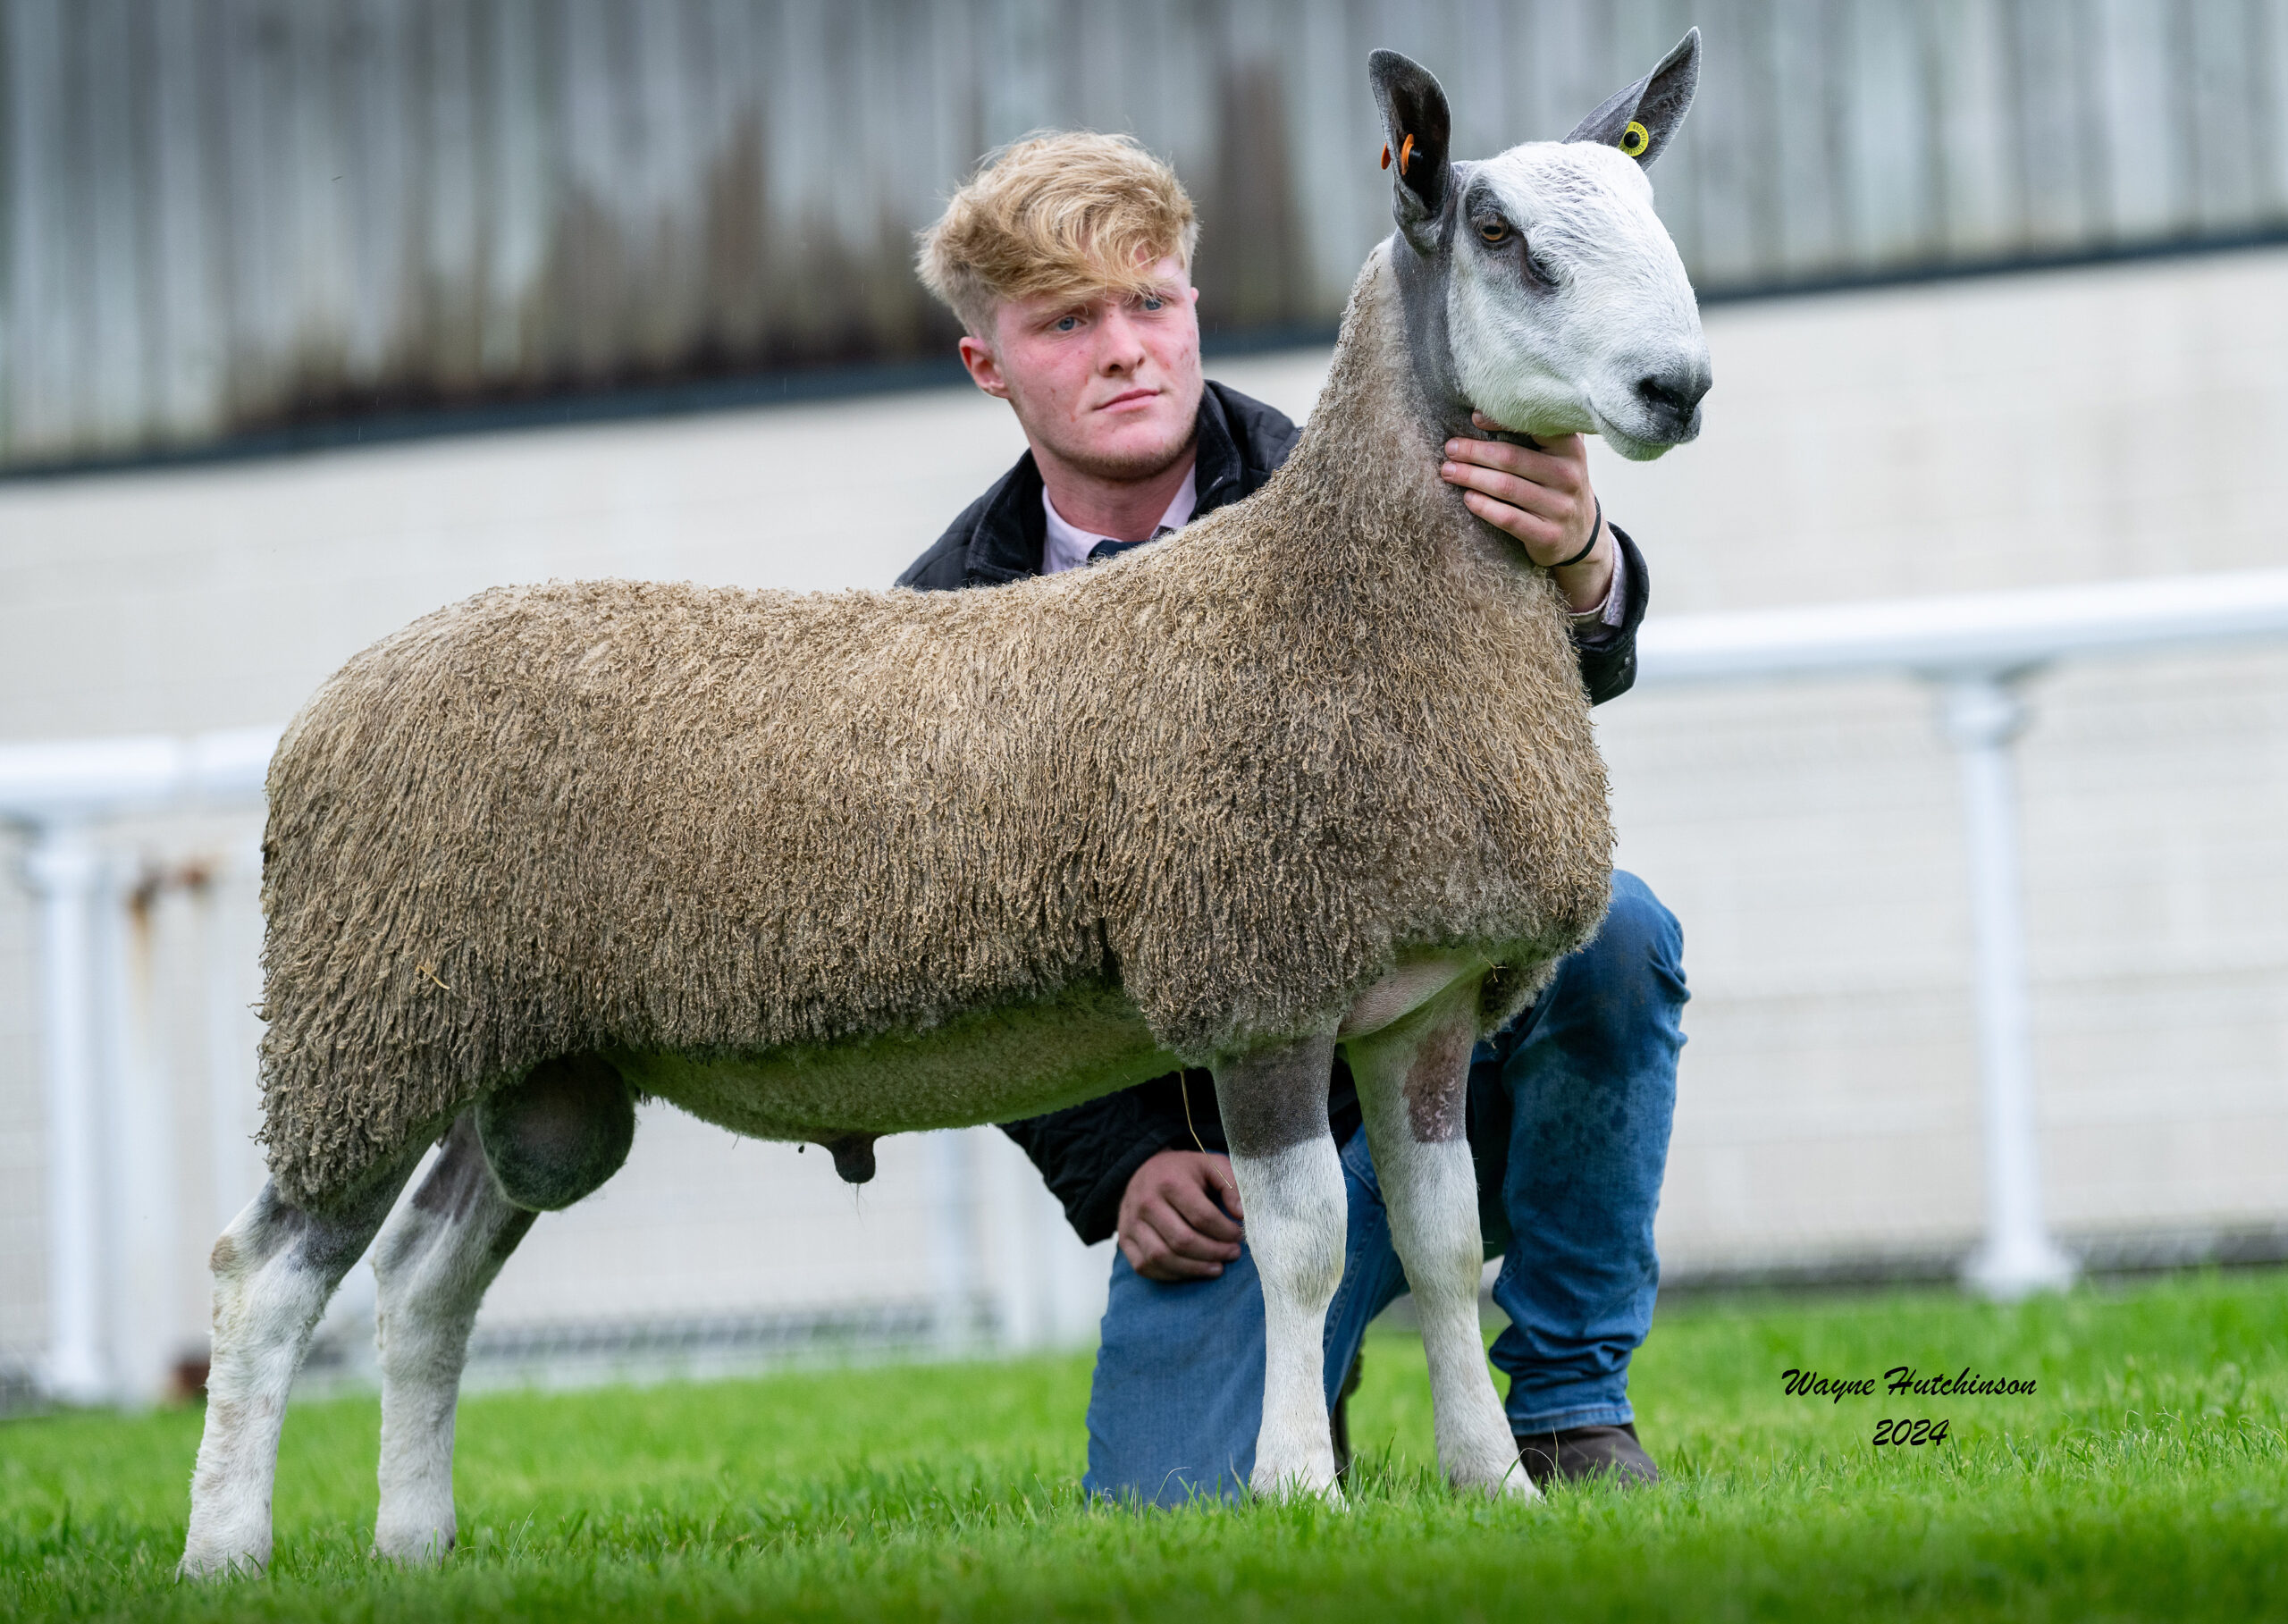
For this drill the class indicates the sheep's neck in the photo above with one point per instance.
(1364, 479)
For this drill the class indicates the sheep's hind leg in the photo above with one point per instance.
(1413, 1082)
(275, 1269)
(540, 1145)
(1290, 1185)
(432, 1267)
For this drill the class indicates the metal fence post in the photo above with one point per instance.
(952, 1242)
(63, 869)
(1981, 714)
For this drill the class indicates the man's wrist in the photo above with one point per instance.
(1588, 584)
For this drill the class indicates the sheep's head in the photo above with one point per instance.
(1540, 287)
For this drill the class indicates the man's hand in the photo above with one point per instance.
(1180, 1216)
(1543, 498)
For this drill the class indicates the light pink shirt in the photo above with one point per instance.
(1068, 547)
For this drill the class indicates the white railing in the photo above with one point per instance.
(63, 792)
(1974, 651)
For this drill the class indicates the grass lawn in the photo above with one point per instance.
(2147, 1477)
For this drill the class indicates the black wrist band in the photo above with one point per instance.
(1595, 531)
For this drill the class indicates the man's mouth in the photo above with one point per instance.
(1129, 397)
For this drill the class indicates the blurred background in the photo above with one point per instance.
(1962, 751)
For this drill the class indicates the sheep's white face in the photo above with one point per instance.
(1568, 310)
(1540, 288)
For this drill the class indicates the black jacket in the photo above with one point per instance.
(1088, 1152)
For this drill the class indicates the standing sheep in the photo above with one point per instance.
(1317, 772)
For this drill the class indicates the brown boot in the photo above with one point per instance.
(1581, 1452)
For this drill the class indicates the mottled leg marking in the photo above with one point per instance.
(275, 1269)
(1413, 1080)
(433, 1264)
(1291, 1183)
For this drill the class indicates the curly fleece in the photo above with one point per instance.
(1232, 778)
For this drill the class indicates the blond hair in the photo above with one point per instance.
(1072, 213)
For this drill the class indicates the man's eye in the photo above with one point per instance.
(1493, 232)
(1066, 324)
(1150, 303)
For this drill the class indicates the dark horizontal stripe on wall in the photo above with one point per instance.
(388, 426)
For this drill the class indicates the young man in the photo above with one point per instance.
(1068, 261)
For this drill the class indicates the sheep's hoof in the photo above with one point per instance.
(1501, 1477)
(853, 1157)
(1512, 1485)
(1307, 1483)
(421, 1548)
(207, 1564)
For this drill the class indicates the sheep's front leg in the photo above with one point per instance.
(275, 1269)
(1413, 1081)
(433, 1264)
(1273, 1102)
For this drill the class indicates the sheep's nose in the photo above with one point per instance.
(1673, 393)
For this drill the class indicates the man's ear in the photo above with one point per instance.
(1641, 119)
(984, 367)
(1419, 130)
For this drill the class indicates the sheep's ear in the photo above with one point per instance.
(1418, 129)
(1641, 119)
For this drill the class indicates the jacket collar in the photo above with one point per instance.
(1012, 530)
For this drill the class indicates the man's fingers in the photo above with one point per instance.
(1181, 1236)
(1539, 537)
(1556, 505)
(1561, 465)
(1149, 1254)
(1530, 528)
(1177, 1217)
(1545, 503)
(1195, 1204)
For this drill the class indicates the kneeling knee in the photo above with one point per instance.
(556, 1136)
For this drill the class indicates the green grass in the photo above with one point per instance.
(2146, 1479)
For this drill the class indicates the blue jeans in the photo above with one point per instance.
(1569, 1109)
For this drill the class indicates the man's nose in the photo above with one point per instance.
(1120, 345)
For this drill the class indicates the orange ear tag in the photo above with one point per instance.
(1386, 155)
(1405, 155)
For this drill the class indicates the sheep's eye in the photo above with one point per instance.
(1493, 234)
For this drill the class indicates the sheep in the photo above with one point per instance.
(1315, 773)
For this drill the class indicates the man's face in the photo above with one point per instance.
(1109, 385)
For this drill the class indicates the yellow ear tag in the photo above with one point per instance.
(1635, 140)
